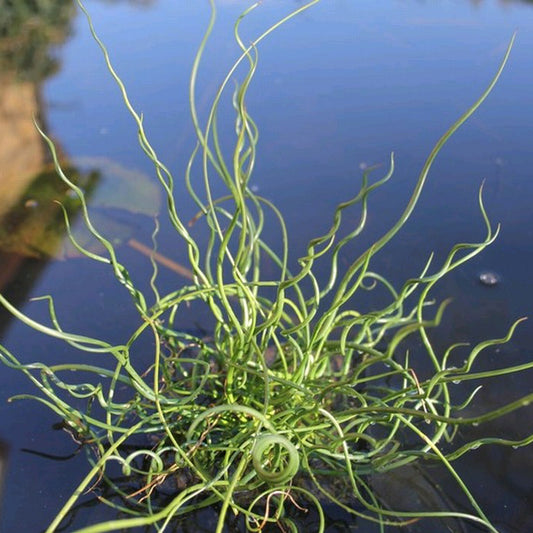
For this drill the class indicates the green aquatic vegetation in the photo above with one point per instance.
(296, 398)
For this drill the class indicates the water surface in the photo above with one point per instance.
(337, 90)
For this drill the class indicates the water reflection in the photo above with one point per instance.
(28, 36)
(32, 230)
(3, 466)
(139, 3)
(31, 219)
(505, 1)
(29, 31)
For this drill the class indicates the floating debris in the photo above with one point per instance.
(31, 204)
(489, 278)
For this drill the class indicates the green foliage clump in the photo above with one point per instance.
(295, 398)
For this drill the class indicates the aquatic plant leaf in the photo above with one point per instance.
(121, 187)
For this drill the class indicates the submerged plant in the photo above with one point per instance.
(295, 398)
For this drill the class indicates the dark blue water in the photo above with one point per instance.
(337, 89)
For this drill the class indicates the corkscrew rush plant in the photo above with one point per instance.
(296, 398)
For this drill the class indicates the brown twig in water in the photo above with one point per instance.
(161, 259)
